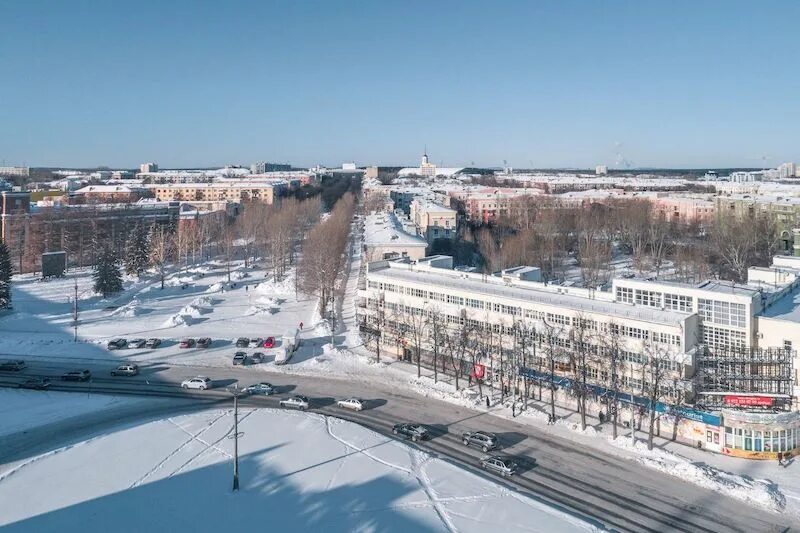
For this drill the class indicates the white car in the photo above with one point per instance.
(200, 382)
(351, 403)
(298, 402)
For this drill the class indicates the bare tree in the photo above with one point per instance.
(581, 335)
(655, 382)
(161, 248)
(612, 351)
(436, 327)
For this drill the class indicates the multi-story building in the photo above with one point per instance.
(601, 170)
(261, 167)
(102, 194)
(148, 167)
(683, 209)
(787, 170)
(230, 190)
(433, 221)
(385, 238)
(22, 172)
(784, 209)
(728, 350)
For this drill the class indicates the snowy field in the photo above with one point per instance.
(196, 302)
(298, 472)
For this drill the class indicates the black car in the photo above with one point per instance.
(116, 344)
(14, 366)
(257, 357)
(415, 432)
(77, 375)
(242, 342)
(35, 384)
(203, 342)
(239, 358)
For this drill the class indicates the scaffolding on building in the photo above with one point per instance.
(745, 378)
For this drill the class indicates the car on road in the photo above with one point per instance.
(256, 343)
(13, 365)
(199, 382)
(203, 342)
(261, 388)
(269, 342)
(499, 464)
(116, 344)
(35, 384)
(351, 403)
(415, 432)
(153, 343)
(239, 358)
(297, 402)
(187, 343)
(257, 357)
(126, 370)
(242, 342)
(480, 439)
(77, 375)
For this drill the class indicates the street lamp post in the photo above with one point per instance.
(236, 392)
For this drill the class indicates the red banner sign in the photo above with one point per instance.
(478, 371)
(749, 401)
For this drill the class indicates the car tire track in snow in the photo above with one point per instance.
(364, 450)
(174, 452)
(425, 483)
(20, 466)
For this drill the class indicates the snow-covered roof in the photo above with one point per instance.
(108, 189)
(439, 171)
(384, 229)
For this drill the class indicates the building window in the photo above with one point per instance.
(625, 295)
(648, 298)
(677, 302)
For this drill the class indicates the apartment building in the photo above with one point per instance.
(385, 238)
(230, 190)
(729, 349)
(433, 221)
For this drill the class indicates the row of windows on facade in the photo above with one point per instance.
(715, 311)
(552, 319)
(762, 441)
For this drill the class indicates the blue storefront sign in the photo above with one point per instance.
(672, 410)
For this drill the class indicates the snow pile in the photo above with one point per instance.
(202, 301)
(130, 310)
(177, 320)
(255, 310)
(441, 390)
(216, 287)
(754, 491)
(306, 472)
(187, 316)
(285, 287)
(239, 275)
(576, 427)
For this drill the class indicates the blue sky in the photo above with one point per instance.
(543, 84)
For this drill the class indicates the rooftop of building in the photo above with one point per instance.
(491, 286)
(381, 229)
(110, 189)
(785, 308)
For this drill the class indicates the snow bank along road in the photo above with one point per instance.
(607, 490)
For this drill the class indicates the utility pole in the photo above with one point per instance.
(75, 311)
(236, 392)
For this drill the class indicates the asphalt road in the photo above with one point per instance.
(603, 489)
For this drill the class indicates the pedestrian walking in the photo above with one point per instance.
(780, 458)
(601, 416)
(513, 410)
(246, 288)
(487, 402)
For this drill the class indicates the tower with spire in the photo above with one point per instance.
(425, 167)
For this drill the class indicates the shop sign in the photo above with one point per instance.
(748, 401)
(478, 371)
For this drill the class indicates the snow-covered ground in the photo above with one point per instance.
(298, 472)
(21, 410)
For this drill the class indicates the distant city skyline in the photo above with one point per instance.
(564, 84)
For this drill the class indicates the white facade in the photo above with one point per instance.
(148, 167)
(601, 170)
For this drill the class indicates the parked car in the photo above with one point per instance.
(269, 342)
(256, 343)
(200, 382)
(203, 342)
(188, 343)
(116, 344)
(257, 357)
(153, 343)
(239, 358)
(126, 370)
(480, 439)
(35, 383)
(499, 464)
(13, 365)
(351, 403)
(261, 388)
(415, 432)
(137, 343)
(77, 375)
(297, 402)
(242, 342)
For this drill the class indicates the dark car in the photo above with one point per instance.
(257, 357)
(415, 432)
(203, 342)
(14, 366)
(35, 384)
(116, 344)
(500, 464)
(480, 439)
(153, 343)
(137, 343)
(77, 375)
(187, 343)
(239, 358)
(242, 342)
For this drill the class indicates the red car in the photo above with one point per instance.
(270, 342)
